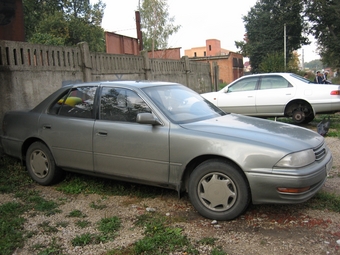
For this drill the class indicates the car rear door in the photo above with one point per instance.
(68, 127)
(239, 97)
(123, 147)
(273, 95)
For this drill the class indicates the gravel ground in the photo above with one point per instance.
(263, 229)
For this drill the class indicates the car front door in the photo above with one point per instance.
(239, 97)
(122, 147)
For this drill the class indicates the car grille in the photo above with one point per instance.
(320, 152)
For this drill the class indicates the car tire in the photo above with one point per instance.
(301, 113)
(218, 190)
(41, 165)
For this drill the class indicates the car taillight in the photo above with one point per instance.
(335, 92)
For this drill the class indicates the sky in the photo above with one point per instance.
(199, 21)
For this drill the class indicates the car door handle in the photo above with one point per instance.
(102, 133)
(47, 127)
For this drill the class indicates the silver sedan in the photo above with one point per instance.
(167, 135)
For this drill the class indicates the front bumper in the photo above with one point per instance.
(264, 186)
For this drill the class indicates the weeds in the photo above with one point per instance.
(83, 223)
(157, 233)
(97, 206)
(83, 184)
(76, 214)
(54, 248)
(324, 200)
(47, 228)
(108, 228)
(11, 234)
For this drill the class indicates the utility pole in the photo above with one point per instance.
(284, 46)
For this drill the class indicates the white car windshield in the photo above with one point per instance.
(182, 105)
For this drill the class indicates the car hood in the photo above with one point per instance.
(272, 133)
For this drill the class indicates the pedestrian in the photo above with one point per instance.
(325, 74)
(318, 78)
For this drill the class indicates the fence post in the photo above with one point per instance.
(187, 70)
(216, 75)
(147, 68)
(86, 65)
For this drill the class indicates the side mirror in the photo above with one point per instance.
(147, 118)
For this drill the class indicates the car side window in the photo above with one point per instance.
(118, 104)
(274, 82)
(78, 103)
(246, 84)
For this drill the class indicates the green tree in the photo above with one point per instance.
(37, 10)
(265, 24)
(314, 65)
(66, 22)
(272, 62)
(156, 24)
(325, 26)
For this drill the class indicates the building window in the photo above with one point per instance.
(195, 54)
(209, 47)
(205, 53)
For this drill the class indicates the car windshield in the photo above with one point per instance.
(182, 105)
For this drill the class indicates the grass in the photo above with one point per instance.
(76, 214)
(83, 223)
(158, 229)
(107, 228)
(83, 184)
(11, 222)
(324, 200)
(157, 233)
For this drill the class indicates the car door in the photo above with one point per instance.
(239, 97)
(273, 94)
(123, 147)
(68, 126)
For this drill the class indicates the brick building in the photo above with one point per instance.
(121, 44)
(230, 63)
(172, 53)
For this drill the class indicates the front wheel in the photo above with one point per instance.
(41, 166)
(218, 190)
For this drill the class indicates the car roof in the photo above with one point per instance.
(125, 83)
(268, 74)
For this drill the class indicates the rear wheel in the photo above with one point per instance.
(218, 190)
(41, 166)
(301, 112)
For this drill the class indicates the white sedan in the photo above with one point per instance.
(277, 95)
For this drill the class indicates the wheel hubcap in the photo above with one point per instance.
(217, 191)
(39, 163)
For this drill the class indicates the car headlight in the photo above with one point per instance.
(297, 159)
